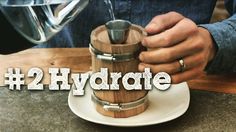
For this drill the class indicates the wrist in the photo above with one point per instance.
(208, 39)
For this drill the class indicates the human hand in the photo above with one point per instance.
(174, 37)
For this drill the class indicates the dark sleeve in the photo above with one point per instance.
(230, 6)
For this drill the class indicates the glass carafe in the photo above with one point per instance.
(39, 20)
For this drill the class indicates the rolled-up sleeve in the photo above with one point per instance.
(224, 35)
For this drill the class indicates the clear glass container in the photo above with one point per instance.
(39, 20)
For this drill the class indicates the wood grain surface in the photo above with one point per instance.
(79, 60)
(100, 41)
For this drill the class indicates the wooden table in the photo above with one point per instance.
(49, 111)
(79, 60)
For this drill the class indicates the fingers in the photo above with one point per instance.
(170, 54)
(174, 67)
(162, 22)
(174, 35)
(187, 75)
(194, 68)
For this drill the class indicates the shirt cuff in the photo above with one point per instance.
(223, 34)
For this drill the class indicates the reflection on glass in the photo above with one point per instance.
(39, 20)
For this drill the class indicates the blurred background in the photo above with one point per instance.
(220, 13)
(18, 42)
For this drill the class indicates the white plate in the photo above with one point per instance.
(163, 106)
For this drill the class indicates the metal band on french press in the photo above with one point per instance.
(120, 106)
(111, 57)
